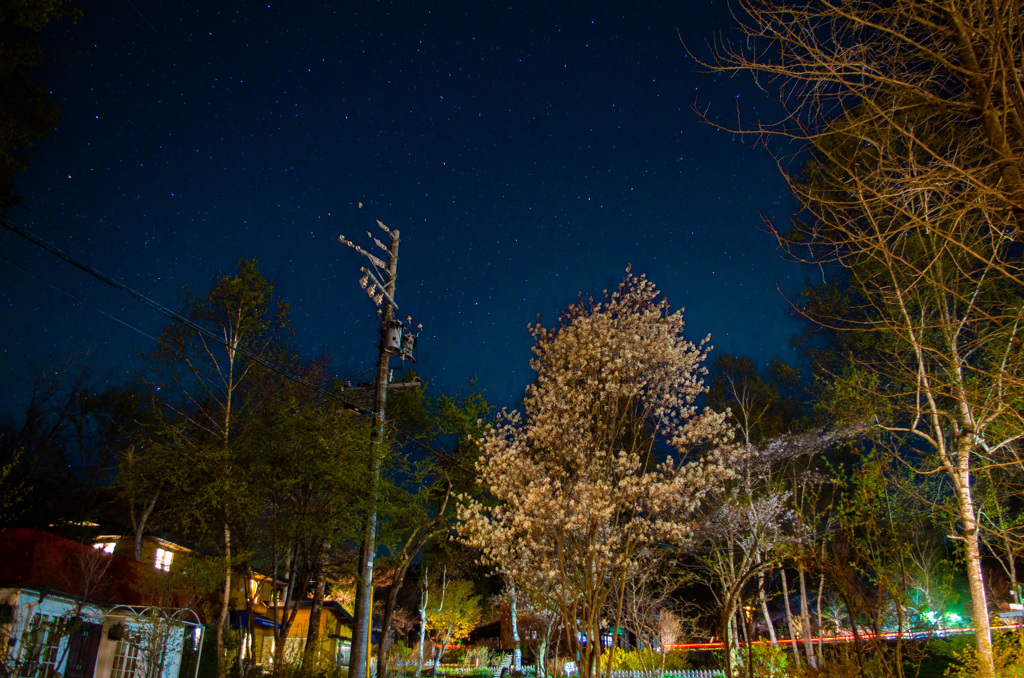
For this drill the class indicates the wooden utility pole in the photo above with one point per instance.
(359, 662)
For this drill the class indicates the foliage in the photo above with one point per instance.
(58, 454)
(456, 613)
(912, 181)
(325, 668)
(643, 660)
(215, 369)
(478, 656)
(577, 486)
(12, 490)
(770, 661)
(415, 502)
(26, 114)
(402, 652)
(193, 582)
(755, 522)
(1008, 651)
(761, 406)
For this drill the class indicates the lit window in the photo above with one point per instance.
(107, 547)
(163, 559)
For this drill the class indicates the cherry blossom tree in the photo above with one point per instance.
(602, 463)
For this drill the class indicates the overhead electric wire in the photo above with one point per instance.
(172, 314)
(177, 317)
(79, 299)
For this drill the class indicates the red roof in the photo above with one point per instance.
(31, 558)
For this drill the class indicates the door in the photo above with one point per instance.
(83, 646)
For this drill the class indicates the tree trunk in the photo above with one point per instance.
(805, 618)
(288, 616)
(728, 640)
(858, 643)
(517, 650)
(440, 653)
(542, 647)
(976, 581)
(748, 631)
(423, 623)
(250, 637)
(1011, 558)
(821, 626)
(618, 623)
(794, 639)
(225, 602)
(763, 595)
(384, 645)
(311, 652)
(387, 640)
(139, 525)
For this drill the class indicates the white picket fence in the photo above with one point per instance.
(694, 673)
(506, 663)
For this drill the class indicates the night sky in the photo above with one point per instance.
(526, 153)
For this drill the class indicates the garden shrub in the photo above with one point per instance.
(1008, 651)
(770, 661)
(648, 660)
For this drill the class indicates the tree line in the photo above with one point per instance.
(876, 494)
(259, 459)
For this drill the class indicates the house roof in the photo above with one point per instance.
(340, 612)
(332, 606)
(40, 560)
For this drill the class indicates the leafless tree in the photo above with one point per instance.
(907, 121)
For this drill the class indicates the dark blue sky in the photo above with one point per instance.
(526, 153)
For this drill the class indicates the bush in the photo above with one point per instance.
(1008, 650)
(478, 655)
(323, 670)
(769, 660)
(649, 660)
(401, 653)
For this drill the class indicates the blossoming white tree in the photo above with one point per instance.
(578, 489)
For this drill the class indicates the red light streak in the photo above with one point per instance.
(910, 635)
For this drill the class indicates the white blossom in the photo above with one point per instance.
(579, 492)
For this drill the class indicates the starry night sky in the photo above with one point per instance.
(526, 153)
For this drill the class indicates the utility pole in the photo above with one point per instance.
(391, 343)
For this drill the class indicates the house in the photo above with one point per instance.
(335, 633)
(155, 550)
(255, 639)
(71, 611)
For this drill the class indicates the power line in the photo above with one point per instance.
(177, 317)
(172, 314)
(81, 300)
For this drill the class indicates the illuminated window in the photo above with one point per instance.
(107, 547)
(163, 559)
